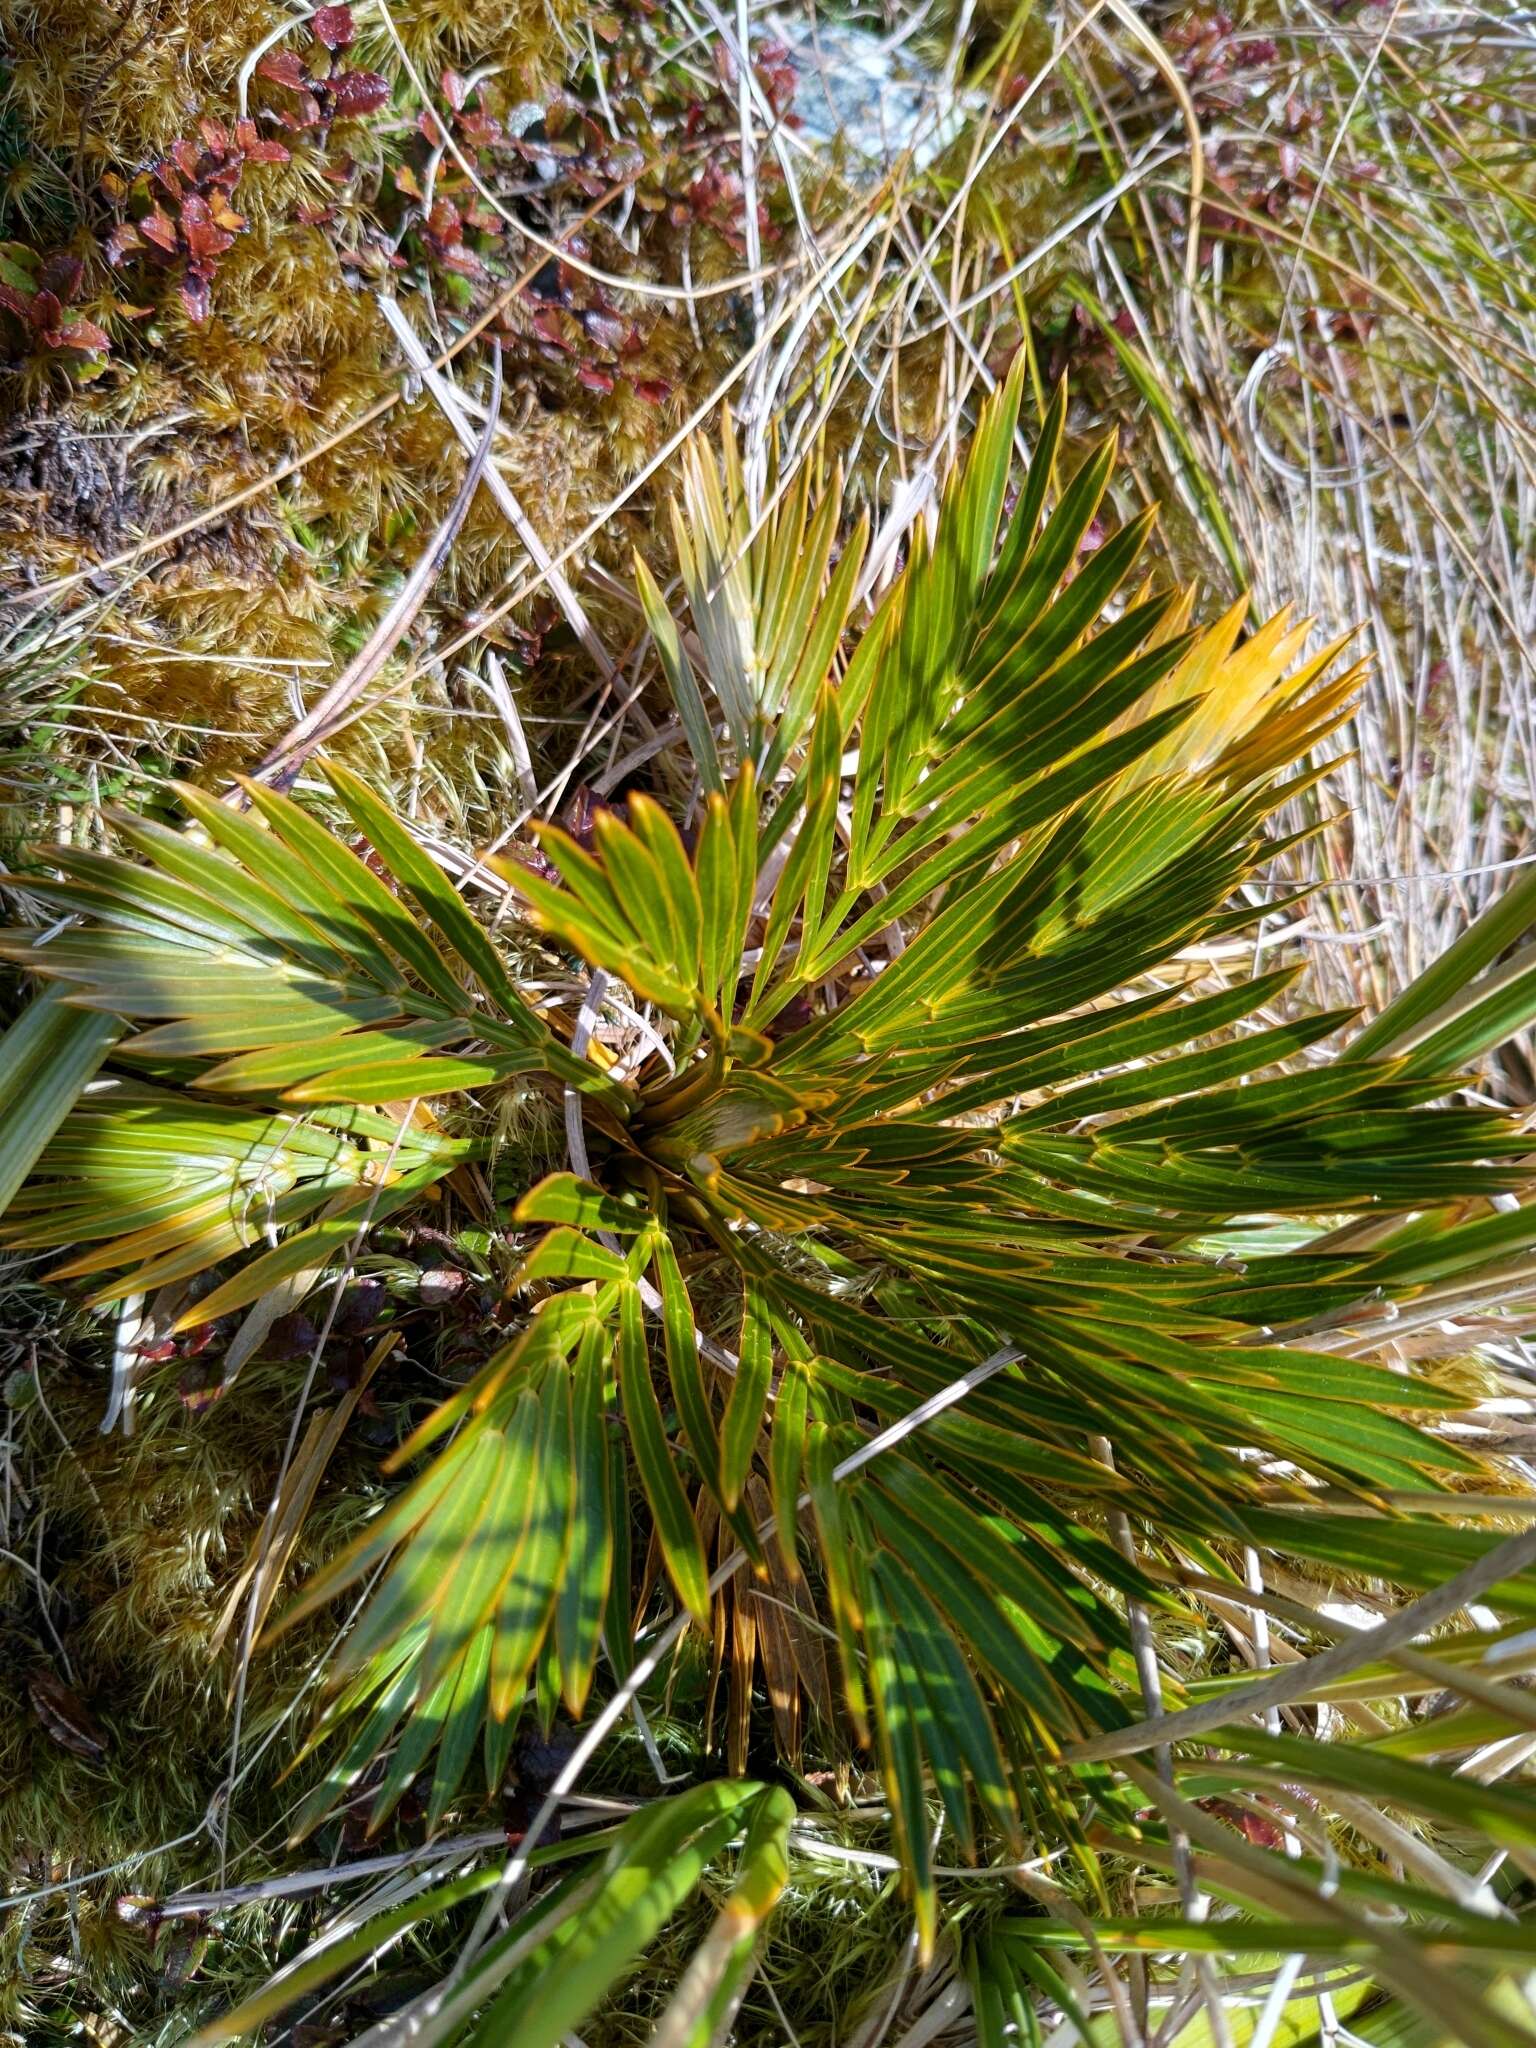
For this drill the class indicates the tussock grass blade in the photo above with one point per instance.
(678, 890)
(681, 680)
(842, 1584)
(309, 1246)
(900, 1717)
(46, 1058)
(357, 893)
(320, 1965)
(545, 1983)
(465, 1718)
(565, 1254)
(529, 1588)
(676, 1528)
(584, 1586)
(564, 1198)
(432, 892)
(747, 1403)
(721, 1966)
(685, 1370)
(786, 1452)
(1401, 1025)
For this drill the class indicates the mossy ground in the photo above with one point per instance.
(193, 658)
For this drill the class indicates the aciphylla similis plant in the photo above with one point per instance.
(952, 1279)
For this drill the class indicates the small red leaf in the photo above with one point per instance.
(454, 89)
(196, 297)
(65, 1716)
(180, 1948)
(464, 262)
(45, 312)
(257, 148)
(552, 324)
(333, 27)
(158, 227)
(550, 150)
(308, 115)
(282, 67)
(594, 378)
(17, 302)
(606, 330)
(203, 237)
(623, 160)
(185, 158)
(124, 236)
(443, 221)
(61, 273)
(215, 135)
(359, 92)
(653, 390)
(81, 334)
(482, 131)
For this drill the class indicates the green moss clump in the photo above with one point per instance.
(254, 392)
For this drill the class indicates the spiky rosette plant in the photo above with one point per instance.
(918, 1257)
